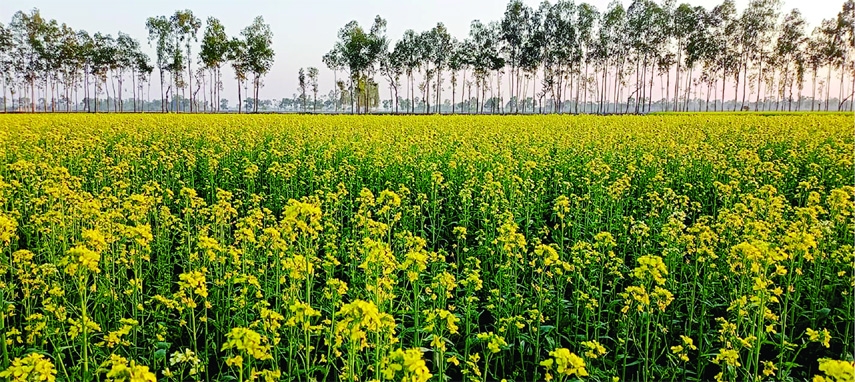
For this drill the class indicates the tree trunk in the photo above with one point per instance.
(840, 88)
(690, 73)
(134, 85)
(852, 91)
(650, 91)
(745, 82)
(759, 84)
(438, 90)
(677, 75)
(827, 87)
(735, 91)
(453, 92)
(813, 91)
(667, 89)
(190, 76)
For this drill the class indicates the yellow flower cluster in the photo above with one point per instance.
(565, 364)
(651, 267)
(835, 371)
(301, 315)
(495, 343)
(821, 336)
(406, 365)
(359, 318)
(120, 369)
(594, 349)
(249, 342)
(33, 367)
(682, 350)
(194, 281)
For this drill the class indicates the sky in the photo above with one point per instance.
(303, 31)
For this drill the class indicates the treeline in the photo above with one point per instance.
(560, 57)
(57, 62)
(573, 58)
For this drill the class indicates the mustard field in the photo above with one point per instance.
(436, 248)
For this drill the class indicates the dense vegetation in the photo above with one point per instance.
(561, 57)
(219, 248)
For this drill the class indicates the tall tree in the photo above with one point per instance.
(103, 58)
(335, 62)
(302, 84)
(26, 29)
(788, 47)
(831, 52)
(514, 33)
(259, 50)
(441, 49)
(214, 53)
(456, 62)
(185, 27)
(846, 31)
(587, 19)
(160, 33)
(126, 51)
(7, 45)
(361, 50)
(313, 82)
(239, 60)
(392, 67)
(684, 22)
(143, 70)
(407, 52)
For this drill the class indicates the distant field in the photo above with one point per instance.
(271, 247)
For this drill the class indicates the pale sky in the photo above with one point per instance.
(304, 30)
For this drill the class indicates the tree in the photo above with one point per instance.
(26, 30)
(515, 33)
(829, 51)
(143, 70)
(85, 50)
(103, 58)
(846, 36)
(160, 32)
(360, 51)
(302, 84)
(684, 21)
(391, 67)
(7, 46)
(239, 60)
(335, 62)
(587, 19)
(313, 82)
(259, 40)
(559, 57)
(437, 48)
(696, 45)
(407, 53)
(788, 47)
(185, 27)
(757, 22)
(126, 52)
(726, 54)
(456, 63)
(485, 56)
(214, 53)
